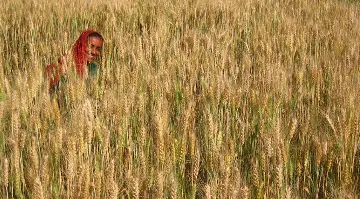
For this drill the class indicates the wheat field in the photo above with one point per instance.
(197, 99)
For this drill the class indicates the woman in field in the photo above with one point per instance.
(81, 60)
(76, 72)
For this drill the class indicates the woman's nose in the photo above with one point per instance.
(95, 52)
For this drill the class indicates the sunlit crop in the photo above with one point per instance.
(197, 99)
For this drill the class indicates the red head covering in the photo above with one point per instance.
(79, 51)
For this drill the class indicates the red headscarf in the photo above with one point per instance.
(79, 51)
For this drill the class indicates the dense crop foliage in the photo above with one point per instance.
(197, 99)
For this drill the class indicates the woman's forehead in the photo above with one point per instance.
(95, 41)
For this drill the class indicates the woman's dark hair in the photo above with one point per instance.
(96, 34)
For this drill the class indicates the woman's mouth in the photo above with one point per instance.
(91, 57)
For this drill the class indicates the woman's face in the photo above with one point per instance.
(94, 48)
